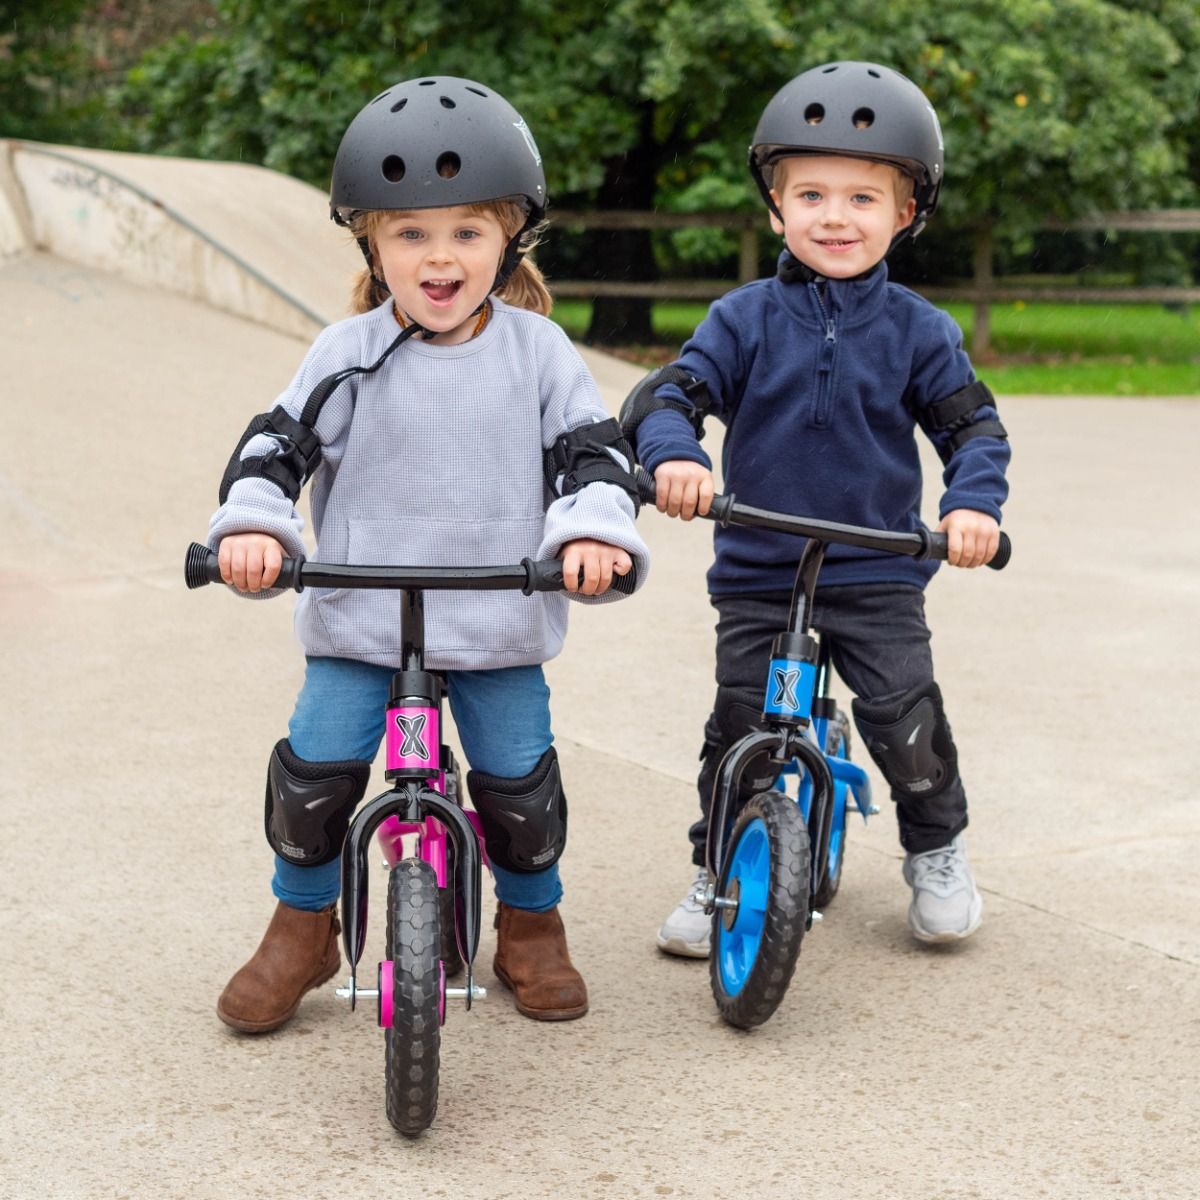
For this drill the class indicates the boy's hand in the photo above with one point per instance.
(599, 561)
(685, 489)
(250, 561)
(972, 537)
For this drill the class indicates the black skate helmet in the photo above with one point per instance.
(858, 109)
(433, 143)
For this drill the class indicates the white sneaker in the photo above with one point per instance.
(946, 905)
(688, 930)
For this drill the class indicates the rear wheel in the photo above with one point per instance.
(756, 941)
(413, 1040)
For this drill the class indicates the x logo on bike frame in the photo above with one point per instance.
(785, 689)
(412, 728)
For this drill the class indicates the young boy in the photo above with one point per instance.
(821, 375)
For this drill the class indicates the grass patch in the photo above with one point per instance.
(1064, 349)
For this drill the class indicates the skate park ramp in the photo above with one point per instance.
(1053, 1055)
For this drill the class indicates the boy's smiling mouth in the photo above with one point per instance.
(441, 291)
(836, 243)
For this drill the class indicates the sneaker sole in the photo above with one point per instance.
(946, 935)
(680, 948)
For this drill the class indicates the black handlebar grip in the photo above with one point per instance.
(646, 487)
(546, 576)
(939, 548)
(200, 566)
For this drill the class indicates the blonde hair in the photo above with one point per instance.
(524, 288)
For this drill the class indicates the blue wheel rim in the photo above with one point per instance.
(748, 876)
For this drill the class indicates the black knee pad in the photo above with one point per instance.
(737, 712)
(524, 820)
(909, 739)
(309, 804)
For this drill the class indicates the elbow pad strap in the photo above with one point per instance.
(288, 464)
(956, 414)
(585, 455)
(642, 401)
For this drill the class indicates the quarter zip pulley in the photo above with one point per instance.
(824, 398)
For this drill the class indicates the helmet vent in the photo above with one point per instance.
(873, 73)
(399, 104)
(814, 114)
(829, 70)
(447, 102)
(382, 96)
(863, 118)
(448, 164)
(392, 168)
(427, 83)
(477, 92)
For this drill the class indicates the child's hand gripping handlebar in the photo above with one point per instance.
(530, 575)
(922, 543)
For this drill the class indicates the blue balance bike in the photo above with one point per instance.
(775, 861)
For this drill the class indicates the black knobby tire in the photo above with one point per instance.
(785, 916)
(451, 959)
(414, 1039)
(840, 731)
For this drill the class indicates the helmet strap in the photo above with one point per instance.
(509, 263)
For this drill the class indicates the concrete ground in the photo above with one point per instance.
(1056, 1054)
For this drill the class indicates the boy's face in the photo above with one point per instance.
(439, 264)
(839, 214)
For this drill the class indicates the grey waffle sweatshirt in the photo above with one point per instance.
(436, 460)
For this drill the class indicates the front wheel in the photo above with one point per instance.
(413, 1038)
(756, 940)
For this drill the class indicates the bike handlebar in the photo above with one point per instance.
(922, 543)
(201, 567)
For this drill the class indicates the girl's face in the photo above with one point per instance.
(439, 264)
(839, 214)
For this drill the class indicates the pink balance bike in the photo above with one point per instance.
(433, 897)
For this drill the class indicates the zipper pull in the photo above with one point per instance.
(830, 332)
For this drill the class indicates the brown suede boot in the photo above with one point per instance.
(532, 960)
(298, 952)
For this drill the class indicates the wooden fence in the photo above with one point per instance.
(982, 292)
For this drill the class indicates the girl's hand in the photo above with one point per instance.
(972, 537)
(685, 489)
(599, 561)
(250, 561)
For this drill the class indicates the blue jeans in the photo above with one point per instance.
(503, 722)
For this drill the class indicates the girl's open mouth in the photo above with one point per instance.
(441, 291)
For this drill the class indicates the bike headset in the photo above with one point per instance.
(435, 142)
(857, 109)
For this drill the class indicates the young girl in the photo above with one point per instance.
(434, 426)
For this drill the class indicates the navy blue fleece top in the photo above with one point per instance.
(818, 385)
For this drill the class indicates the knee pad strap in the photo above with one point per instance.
(524, 820)
(309, 804)
(909, 738)
(737, 712)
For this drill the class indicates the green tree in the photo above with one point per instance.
(1052, 108)
(42, 64)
